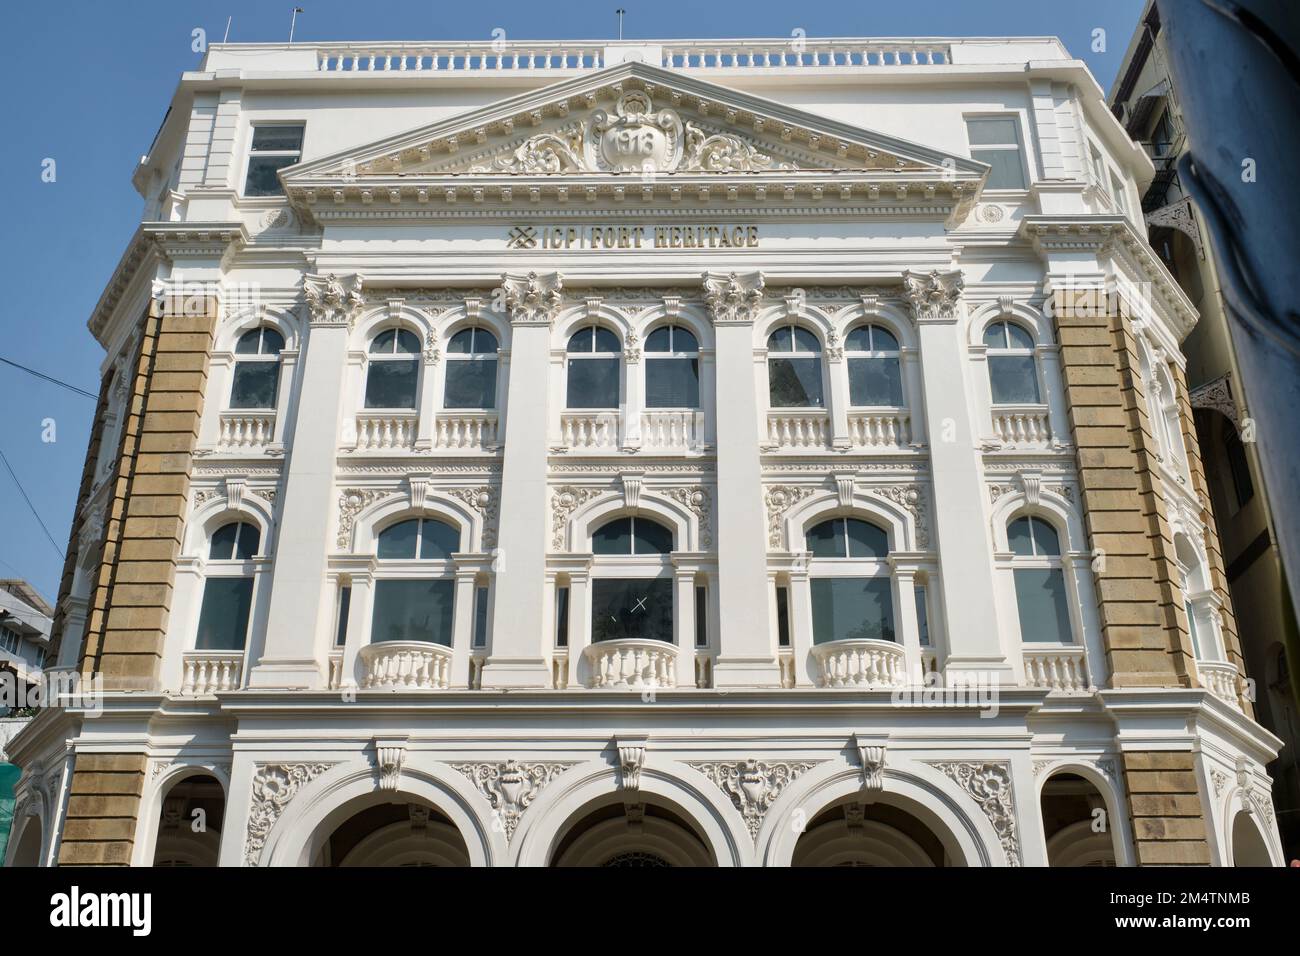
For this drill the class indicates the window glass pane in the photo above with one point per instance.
(1194, 631)
(995, 336)
(852, 609)
(223, 617)
(223, 542)
(462, 343)
(606, 341)
(277, 137)
(1045, 538)
(413, 611)
(783, 616)
(407, 343)
(992, 130)
(254, 384)
(383, 343)
(615, 537)
(581, 340)
(660, 340)
(882, 340)
(399, 540)
(391, 384)
(1018, 337)
(1007, 171)
(923, 616)
(485, 343)
(684, 340)
(471, 384)
(262, 180)
(1014, 379)
(866, 540)
(805, 341)
(701, 617)
(593, 383)
(859, 340)
(345, 605)
(651, 537)
(632, 608)
(247, 540)
(1018, 537)
(826, 540)
(562, 617)
(672, 383)
(795, 383)
(875, 381)
(1040, 596)
(248, 342)
(480, 617)
(781, 340)
(272, 342)
(438, 540)
(1243, 485)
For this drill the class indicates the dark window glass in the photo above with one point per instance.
(562, 617)
(480, 616)
(1014, 379)
(614, 537)
(701, 617)
(1040, 598)
(471, 384)
(262, 180)
(783, 616)
(795, 383)
(632, 536)
(871, 338)
(392, 384)
(260, 341)
(255, 385)
(413, 611)
(345, 604)
(474, 341)
(593, 383)
(852, 609)
(875, 381)
(672, 383)
(923, 616)
(632, 608)
(432, 540)
(437, 540)
(847, 538)
(399, 540)
(1007, 173)
(237, 541)
(1033, 537)
(272, 148)
(277, 138)
(223, 616)
(1000, 140)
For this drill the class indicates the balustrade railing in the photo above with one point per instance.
(1022, 425)
(208, 672)
(1062, 668)
(1222, 679)
(799, 429)
(383, 431)
(861, 663)
(405, 665)
(887, 429)
(589, 429)
(243, 430)
(632, 663)
(679, 430)
(471, 431)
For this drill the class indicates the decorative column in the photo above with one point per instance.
(516, 658)
(633, 392)
(462, 621)
(684, 621)
(904, 566)
(300, 612)
(747, 644)
(579, 616)
(806, 672)
(839, 390)
(960, 529)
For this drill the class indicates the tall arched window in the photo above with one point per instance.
(632, 583)
(415, 583)
(471, 370)
(1013, 370)
(257, 369)
(228, 587)
(593, 368)
(794, 368)
(1197, 600)
(1040, 581)
(1167, 422)
(875, 375)
(394, 370)
(852, 596)
(672, 368)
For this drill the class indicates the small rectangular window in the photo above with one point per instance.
(593, 383)
(701, 617)
(255, 385)
(1194, 631)
(480, 616)
(783, 616)
(272, 149)
(923, 616)
(223, 615)
(562, 617)
(996, 140)
(847, 609)
(1044, 610)
(1117, 191)
(1014, 379)
(632, 608)
(418, 610)
(345, 604)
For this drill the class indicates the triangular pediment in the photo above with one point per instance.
(634, 120)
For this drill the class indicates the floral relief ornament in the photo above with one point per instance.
(482, 499)
(564, 501)
(351, 503)
(989, 784)
(698, 500)
(333, 300)
(779, 499)
(274, 785)
(753, 785)
(511, 786)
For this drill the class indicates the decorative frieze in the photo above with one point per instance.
(778, 499)
(511, 786)
(482, 499)
(912, 498)
(564, 501)
(989, 785)
(352, 501)
(753, 785)
(697, 499)
(274, 785)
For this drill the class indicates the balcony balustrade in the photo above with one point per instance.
(386, 431)
(806, 428)
(405, 665)
(631, 664)
(245, 431)
(1022, 426)
(1222, 679)
(861, 663)
(887, 429)
(209, 672)
(1057, 668)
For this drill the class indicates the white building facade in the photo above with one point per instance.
(668, 453)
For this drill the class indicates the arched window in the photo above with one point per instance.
(852, 596)
(794, 368)
(1040, 581)
(632, 583)
(1198, 599)
(875, 376)
(415, 586)
(1167, 421)
(593, 368)
(471, 370)
(1013, 371)
(228, 588)
(257, 369)
(394, 370)
(672, 368)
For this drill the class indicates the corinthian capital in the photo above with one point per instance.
(332, 299)
(733, 297)
(933, 294)
(533, 299)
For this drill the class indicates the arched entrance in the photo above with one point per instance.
(853, 833)
(27, 851)
(1076, 822)
(638, 834)
(403, 832)
(190, 821)
(1249, 848)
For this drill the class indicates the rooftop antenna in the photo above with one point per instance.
(620, 11)
(227, 34)
(294, 20)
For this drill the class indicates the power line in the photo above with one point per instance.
(49, 378)
(9, 468)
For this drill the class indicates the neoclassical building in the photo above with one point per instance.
(720, 453)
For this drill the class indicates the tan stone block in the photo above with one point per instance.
(1161, 781)
(184, 342)
(187, 324)
(146, 572)
(1159, 760)
(1099, 436)
(179, 382)
(164, 422)
(1126, 589)
(150, 527)
(1166, 805)
(1105, 457)
(1090, 375)
(142, 641)
(110, 762)
(1097, 416)
(161, 485)
(1088, 355)
(140, 669)
(164, 464)
(141, 595)
(104, 783)
(99, 830)
(98, 853)
(1126, 522)
(84, 807)
(148, 549)
(173, 506)
(167, 442)
(137, 618)
(1173, 828)
(1164, 853)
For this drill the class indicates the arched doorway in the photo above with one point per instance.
(853, 833)
(190, 821)
(405, 832)
(1076, 822)
(27, 851)
(631, 835)
(1248, 845)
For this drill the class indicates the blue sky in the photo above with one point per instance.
(86, 84)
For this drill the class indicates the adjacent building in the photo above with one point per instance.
(25, 619)
(729, 452)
